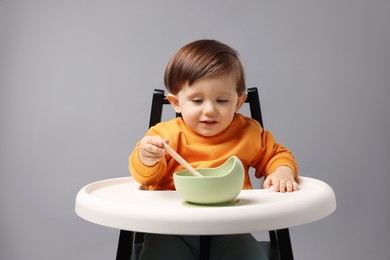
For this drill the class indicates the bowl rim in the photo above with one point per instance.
(233, 158)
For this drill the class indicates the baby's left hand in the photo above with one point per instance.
(282, 179)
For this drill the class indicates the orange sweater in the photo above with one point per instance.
(244, 138)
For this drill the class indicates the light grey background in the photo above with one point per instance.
(76, 79)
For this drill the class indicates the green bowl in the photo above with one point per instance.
(217, 185)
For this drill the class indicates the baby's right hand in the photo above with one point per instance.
(151, 150)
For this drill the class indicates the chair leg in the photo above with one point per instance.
(125, 245)
(272, 237)
(204, 247)
(284, 243)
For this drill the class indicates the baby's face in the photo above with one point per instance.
(208, 106)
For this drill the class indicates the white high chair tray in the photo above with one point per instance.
(118, 203)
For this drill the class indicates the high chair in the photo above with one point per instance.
(279, 245)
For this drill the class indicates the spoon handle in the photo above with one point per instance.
(180, 159)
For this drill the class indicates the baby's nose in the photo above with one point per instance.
(209, 109)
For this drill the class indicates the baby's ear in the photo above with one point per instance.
(240, 101)
(174, 102)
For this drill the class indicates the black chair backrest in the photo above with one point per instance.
(159, 100)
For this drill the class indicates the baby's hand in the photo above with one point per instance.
(282, 179)
(151, 150)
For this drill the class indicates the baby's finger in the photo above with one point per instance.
(282, 186)
(295, 186)
(154, 148)
(291, 186)
(267, 183)
(276, 184)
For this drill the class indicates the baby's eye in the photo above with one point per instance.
(197, 101)
(222, 100)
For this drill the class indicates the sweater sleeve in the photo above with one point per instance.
(272, 156)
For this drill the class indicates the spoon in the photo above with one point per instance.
(180, 159)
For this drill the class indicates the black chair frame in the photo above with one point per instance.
(277, 248)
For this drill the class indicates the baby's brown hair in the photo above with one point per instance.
(203, 59)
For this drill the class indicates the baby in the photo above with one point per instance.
(206, 85)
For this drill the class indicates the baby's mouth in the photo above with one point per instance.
(209, 122)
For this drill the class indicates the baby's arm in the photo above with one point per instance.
(282, 179)
(151, 150)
